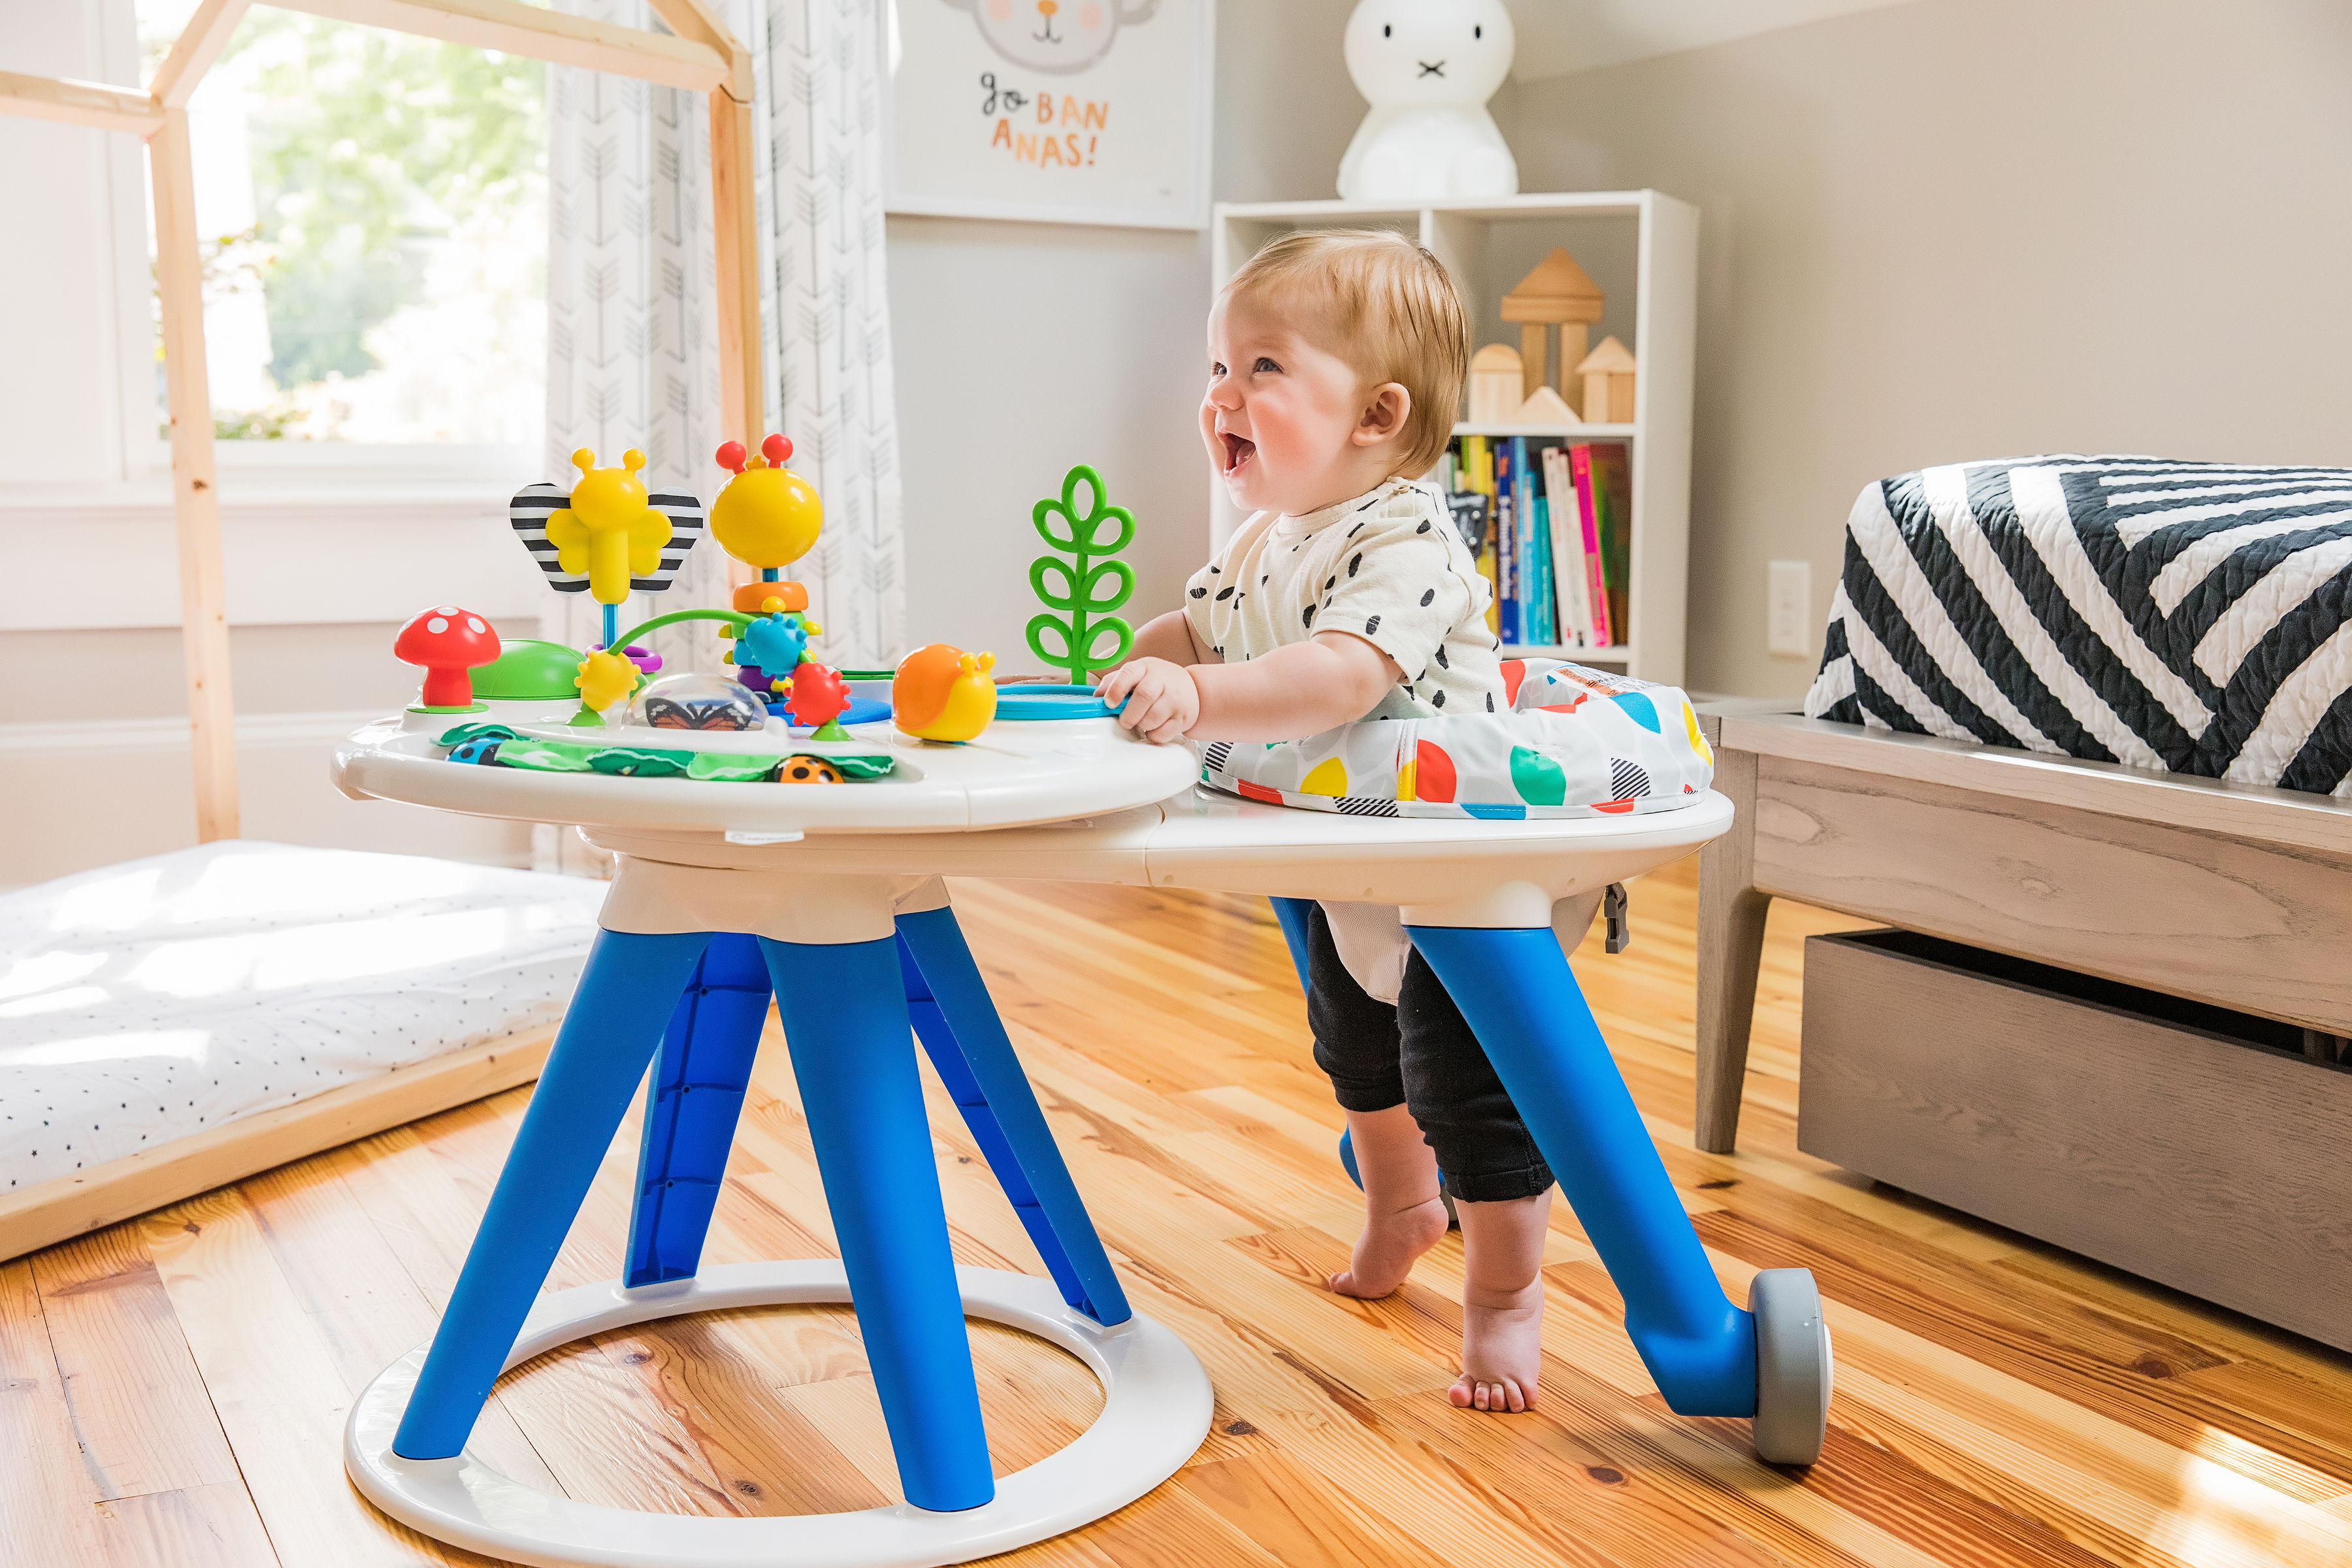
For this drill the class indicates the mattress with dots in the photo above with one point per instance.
(144, 1002)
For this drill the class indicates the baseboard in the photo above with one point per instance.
(117, 737)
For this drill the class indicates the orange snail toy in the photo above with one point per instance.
(942, 693)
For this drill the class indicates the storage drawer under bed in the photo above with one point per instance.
(2202, 1148)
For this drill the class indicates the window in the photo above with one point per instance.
(375, 208)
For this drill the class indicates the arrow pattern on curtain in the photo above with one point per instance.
(632, 315)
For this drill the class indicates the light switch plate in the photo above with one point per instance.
(1789, 609)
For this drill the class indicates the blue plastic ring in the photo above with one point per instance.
(1027, 702)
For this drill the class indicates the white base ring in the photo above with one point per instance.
(1156, 1410)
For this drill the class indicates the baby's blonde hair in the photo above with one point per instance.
(1389, 310)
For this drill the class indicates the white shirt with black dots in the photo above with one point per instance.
(1386, 566)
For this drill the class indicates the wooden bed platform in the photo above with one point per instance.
(2203, 1149)
(174, 1387)
(120, 1189)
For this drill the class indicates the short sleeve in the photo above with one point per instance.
(1199, 594)
(1402, 585)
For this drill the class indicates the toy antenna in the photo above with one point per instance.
(732, 457)
(777, 449)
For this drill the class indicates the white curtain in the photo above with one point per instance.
(633, 320)
(631, 316)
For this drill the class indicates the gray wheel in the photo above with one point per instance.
(1793, 1370)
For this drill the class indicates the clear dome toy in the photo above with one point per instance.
(698, 702)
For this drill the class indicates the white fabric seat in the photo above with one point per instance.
(144, 1002)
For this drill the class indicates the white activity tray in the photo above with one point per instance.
(1071, 800)
(1011, 775)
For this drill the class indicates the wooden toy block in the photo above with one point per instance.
(1557, 292)
(1608, 376)
(1495, 390)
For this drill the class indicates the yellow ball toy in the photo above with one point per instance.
(768, 516)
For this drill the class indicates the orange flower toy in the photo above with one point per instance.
(942, 693)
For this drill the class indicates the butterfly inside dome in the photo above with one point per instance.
(699, 703)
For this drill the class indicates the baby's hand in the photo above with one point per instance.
(1163, 700)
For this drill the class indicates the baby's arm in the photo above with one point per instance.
(1171, 636)
(1332, 678)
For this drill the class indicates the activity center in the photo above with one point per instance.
(662, 905)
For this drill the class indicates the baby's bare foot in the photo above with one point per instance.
(1385, 1252)
(1502, 1347)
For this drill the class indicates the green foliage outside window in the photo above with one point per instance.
(365, 143)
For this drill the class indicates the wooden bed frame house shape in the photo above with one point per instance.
(698, 56)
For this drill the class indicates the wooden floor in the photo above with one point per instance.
(172, 1390)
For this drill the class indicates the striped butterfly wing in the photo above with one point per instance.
(529, 511)
(685, 527)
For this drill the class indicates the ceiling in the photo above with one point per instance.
(1557, 36)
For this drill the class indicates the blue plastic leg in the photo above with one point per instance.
(1292, 914)
(957, 1022)
(629, 986)
(845, 1021)
(700, 1077)
(1515, 988)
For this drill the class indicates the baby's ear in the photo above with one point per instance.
(1385, 414)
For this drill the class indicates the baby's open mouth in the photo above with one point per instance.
(1239, 450)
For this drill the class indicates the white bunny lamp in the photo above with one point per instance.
(1427, 67)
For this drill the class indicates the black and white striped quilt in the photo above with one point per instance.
(2195, 617)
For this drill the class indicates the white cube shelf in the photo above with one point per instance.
(1643, 243)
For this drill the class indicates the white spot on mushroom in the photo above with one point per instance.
(474, 625)
(436, 626)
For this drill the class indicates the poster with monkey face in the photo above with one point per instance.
(1057, 111)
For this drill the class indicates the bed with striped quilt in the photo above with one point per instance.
(2191, 617)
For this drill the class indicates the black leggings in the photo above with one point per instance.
(1422, 1055)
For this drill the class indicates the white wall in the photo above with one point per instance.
(1966, 228)
(1022, 349)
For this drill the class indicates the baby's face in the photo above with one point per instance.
(1280, 413)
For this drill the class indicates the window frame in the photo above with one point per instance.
(248, 468)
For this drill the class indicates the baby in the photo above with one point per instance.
(1336, 362)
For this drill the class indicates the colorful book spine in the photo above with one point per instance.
(1580, 465)
(1535, 551)
(1508, 592)
(1571, 593)
(1477, 477)
(1612, 489)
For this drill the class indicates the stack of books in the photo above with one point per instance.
(1548, 520)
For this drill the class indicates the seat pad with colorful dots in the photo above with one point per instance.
(1576, 743)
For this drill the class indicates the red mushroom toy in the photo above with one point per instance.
(448, 642)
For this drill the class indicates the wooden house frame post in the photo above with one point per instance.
(698, 55)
